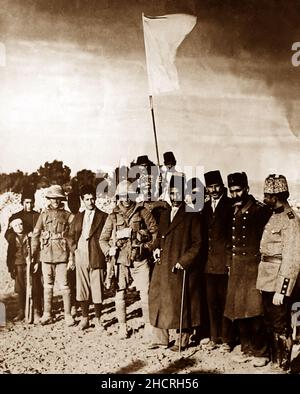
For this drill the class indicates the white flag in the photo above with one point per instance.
(163, 35)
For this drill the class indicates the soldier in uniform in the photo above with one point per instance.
(50, 243)
(279, 267)
(244, 301)
(127, 238)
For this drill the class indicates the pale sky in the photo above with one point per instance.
(74, 88)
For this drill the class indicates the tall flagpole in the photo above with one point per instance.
(154, 129)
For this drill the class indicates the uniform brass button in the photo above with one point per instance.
(233, 228)
(233, 237)
(244, 245)
(233, 254)
(244, 254)
(244, 226)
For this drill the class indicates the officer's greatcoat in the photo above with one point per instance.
(243, 299)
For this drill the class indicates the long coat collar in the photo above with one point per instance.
(219, 207)
(248, 204)
(177, 218)
(95, 223)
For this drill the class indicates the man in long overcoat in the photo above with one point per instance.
(244, 301)
(179, 244)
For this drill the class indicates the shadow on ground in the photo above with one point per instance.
(132, 367)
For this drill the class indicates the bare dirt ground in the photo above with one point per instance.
(57, 349)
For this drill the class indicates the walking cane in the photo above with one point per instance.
(181, 309)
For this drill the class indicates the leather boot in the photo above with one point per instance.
(274, 347)
(48, 295)
(285, 345)
(67, 308)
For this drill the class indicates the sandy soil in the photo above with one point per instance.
(57, 349)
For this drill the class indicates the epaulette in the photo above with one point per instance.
(291, 215)
(260, 204)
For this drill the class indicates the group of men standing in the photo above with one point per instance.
(245, 252)
(252, 266)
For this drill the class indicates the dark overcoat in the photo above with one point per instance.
(243, 299)
(217, 229)
(29, 220)
(96, 256)
(179, 242)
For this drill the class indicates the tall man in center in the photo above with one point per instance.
(178, 245)
(90, 261)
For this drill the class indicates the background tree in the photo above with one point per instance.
(54, 173)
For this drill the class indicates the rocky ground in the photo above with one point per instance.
(57, 349)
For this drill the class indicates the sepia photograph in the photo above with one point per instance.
(150, 189)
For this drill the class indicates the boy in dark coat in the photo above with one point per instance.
(29, 218)
(17, 253)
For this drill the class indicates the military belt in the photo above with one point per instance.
(56, 236)
(271, 259)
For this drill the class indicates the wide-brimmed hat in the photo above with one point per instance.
(55, 191)
(275, 184)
